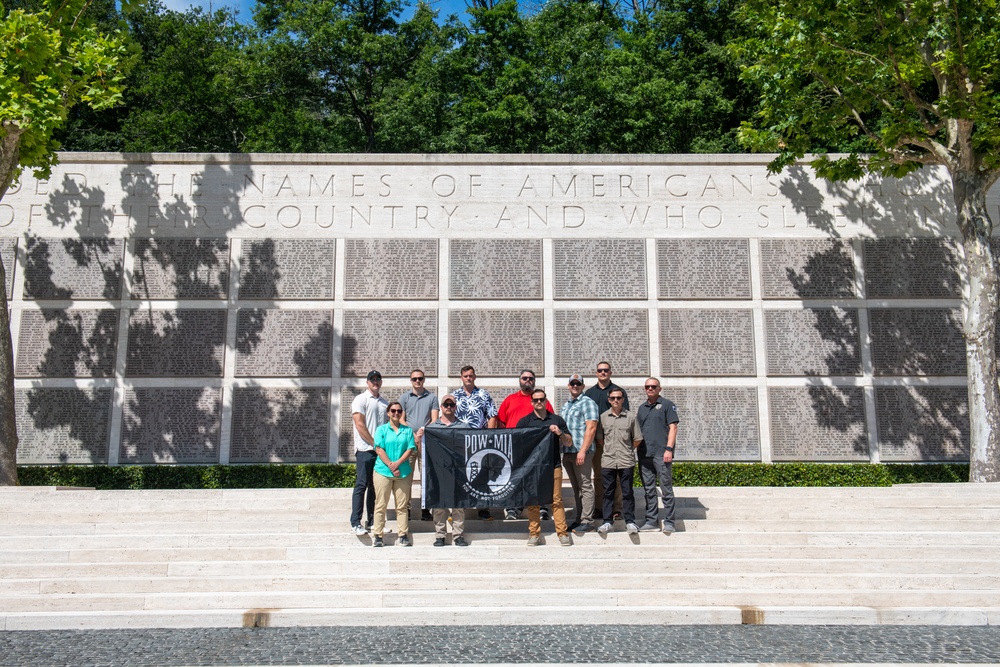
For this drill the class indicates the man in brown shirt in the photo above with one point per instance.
(620, 435)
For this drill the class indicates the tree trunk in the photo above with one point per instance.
(970, 189)
(10, 142)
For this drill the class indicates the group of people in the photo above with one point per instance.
(601, 441)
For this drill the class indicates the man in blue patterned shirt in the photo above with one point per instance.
(581, 415)
(475, 409)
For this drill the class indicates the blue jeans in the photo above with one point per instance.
(649, 470)
(364, 490)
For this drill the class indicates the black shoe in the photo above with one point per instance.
(404, 541)
(378, 542)
(544, 513)
(460, 542)
(485, 515)
(426, 516)
(439, 542)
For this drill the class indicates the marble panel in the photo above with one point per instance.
(599, 269)
(181, 269)
(717, 423)
(813, 341)
(392, 341)
(391, 269)
(498, 343)
(176, 343)
(707, 342)
(73, 268)
(280, 425)
(67, 343)
(62, 426)
(584, 337)
(923, 423)
(807, 269)
(703, 268)
(495, 269)
(287, 268)
(912, 268)
(171, 425)
(283, 343)
(8, 253)
(917, 341)
(818, 423)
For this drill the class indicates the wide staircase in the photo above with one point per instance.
(73, 558)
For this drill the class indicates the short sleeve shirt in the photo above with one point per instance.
(374, 411)
(394, 443)
(549, 419)
(515, 407)
(577, 412)
(654, 421)
(418, 408)
(619, 432)
(476, 409)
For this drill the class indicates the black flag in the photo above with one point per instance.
(467, 467)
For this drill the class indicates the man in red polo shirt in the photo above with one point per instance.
(513, 408)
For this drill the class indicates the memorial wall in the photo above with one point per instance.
(226, 308)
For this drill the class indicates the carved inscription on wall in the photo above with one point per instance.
(707, 342)
(806, 268)
(67, 343)
(176, 343)
(717, 423)
(818, 423)
(814, 341)
(280, 425)
(599, 269)
(181, 269)
(923, 423)
(392, 341)
(496, 342)
(495, 269)
(62, 425)
(917, 341)
(584, 337)
(912, 268)
(391, 269)
(703, 268)
(8, 251)
(283, 343)
(347, 396)
(287, 268)
(73, 268)
(171, 425)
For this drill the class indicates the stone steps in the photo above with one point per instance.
(96, 559)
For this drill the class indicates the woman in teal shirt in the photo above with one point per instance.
(394, 445)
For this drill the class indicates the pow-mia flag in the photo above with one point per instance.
(466, 467)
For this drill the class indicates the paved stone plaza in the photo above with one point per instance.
(554, 644)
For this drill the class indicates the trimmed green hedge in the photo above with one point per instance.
(272, 476)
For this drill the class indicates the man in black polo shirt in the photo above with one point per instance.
(540, 416)
(658, 421)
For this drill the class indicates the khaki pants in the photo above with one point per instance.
(441, 522)
(399, 487)
(558, 513)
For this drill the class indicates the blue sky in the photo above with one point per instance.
(244, 6)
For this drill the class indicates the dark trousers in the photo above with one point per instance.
(618, 478)
(649, 470)
(364, 490)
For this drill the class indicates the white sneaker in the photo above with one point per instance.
(632, 529)
(604, 528)
(358, 530)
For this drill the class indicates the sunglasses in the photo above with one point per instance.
(652, 386)
(538, 400)
(576, 384)
(527, 378)
(615, 398)
(449, 404)
(603, 370)
(420, 379)
(395, 411)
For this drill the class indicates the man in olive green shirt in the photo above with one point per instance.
(620, 435)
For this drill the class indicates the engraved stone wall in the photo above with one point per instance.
(717, 423)
(917, 341)
(392, 341)
(706, 342)
(283, 343)
(73, 268)
(62, 426)
(181, 269)
(912, 268)
(347, 396)
(8, 251)
(495, 269)
(176, 343)
(818, 423)
(621, 336)
(703, 268)
(497, 343)
(280, 425)
(67, 343)
(923, 423)
(171, 425)
(391, 269)
(599, 269)
(814, 341)
(806, 269)
(287, 268)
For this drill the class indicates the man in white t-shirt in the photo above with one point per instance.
(368, 413)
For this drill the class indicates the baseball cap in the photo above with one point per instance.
(576, 377)
(374, 375)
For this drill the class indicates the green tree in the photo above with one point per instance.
(914, 83)
(51, 57)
